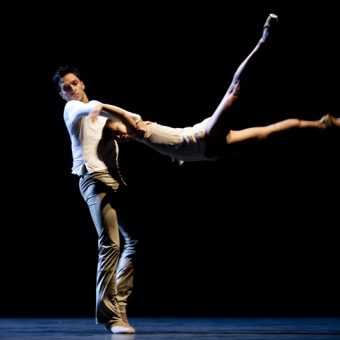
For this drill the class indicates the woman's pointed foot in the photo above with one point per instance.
(269, 25)
(328, 120)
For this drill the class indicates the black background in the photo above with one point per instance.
(252, 234)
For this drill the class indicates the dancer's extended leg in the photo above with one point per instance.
(219, 124)
(262, 132)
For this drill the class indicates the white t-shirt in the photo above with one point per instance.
(87, 144)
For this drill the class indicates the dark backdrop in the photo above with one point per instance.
(252, 234)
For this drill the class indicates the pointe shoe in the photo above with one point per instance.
(269, 25)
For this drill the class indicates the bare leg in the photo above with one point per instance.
(262, 132)
(219, 124)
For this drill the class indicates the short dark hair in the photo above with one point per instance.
(61, 72)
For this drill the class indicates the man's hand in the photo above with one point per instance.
(141, 127)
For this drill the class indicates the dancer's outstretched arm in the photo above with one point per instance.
(262, 132)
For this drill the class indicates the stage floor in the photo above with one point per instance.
(174, 328)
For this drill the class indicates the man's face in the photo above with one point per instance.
(72, 88)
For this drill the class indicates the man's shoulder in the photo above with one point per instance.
(77, 105)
